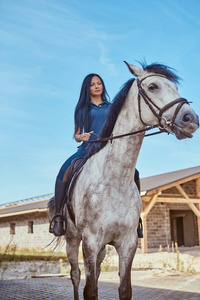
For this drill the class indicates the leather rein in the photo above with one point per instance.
(152, 105)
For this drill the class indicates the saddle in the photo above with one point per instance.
(75, 169)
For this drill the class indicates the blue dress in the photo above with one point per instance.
(97, 119)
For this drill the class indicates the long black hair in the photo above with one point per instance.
(81, 115)
(111, 118)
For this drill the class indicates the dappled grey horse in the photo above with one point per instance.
(105, 200)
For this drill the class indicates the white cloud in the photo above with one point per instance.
(106, 61)
(185, 12)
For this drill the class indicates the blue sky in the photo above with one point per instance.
(48, 47)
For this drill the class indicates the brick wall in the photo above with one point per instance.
(158, 226)
(189, 187)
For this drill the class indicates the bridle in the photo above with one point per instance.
(142, 94)
(159, 115)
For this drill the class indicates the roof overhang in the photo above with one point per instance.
(168, 185)
(24, 212)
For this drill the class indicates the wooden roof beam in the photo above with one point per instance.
(150, 205)
(198, 187)
(177, 200)
(191, 205)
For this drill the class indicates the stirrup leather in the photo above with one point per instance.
(63, 219)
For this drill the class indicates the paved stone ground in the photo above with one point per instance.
(145, 286)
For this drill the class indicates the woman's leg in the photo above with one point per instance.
(58, 228)
(64, 170)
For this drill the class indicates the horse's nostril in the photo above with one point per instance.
(186, 118)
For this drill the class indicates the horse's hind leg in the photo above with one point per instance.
(72, 255)
(126, 255)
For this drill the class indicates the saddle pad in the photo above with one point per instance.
(75, 164)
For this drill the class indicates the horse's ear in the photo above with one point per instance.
(136, 71)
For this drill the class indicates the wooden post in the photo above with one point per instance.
(198, 187)
(198, 205)
(198, 224)
(144, 240)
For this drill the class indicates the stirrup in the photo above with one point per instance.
(62, 218)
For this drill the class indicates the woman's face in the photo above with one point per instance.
(96, 87)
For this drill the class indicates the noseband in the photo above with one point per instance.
(151, 104)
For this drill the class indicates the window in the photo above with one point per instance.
(30, 227)
(12, 228)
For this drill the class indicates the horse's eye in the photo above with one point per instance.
(152, 87)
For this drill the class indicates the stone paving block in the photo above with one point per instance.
(61, 288)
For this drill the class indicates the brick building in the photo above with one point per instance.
(171, 212)
(171, 208)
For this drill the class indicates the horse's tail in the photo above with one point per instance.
(51, 208)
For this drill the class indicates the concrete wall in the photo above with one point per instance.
(38, 239)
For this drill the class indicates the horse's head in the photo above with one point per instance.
(159, 101)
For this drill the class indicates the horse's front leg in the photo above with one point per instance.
(90, 262)
(100, 258)
(72, 255)
(126, 254)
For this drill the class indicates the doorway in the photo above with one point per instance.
(183, 227)
(177, 233)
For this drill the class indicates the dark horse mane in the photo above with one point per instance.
(118, 103)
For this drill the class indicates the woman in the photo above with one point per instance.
(90, 115)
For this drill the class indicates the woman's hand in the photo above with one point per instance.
(85, 136)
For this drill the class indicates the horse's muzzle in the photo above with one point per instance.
(186, 124)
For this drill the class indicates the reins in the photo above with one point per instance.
(150, 103)
(111, 138)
